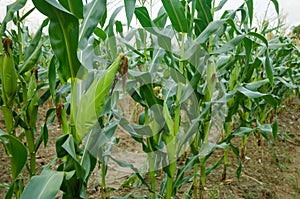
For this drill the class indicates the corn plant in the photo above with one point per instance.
(193, 74)
(20, 92)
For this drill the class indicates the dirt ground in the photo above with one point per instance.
(269, 172)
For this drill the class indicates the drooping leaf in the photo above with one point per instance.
(230, 44)
(203, 37)
(10, 11)
(17, 153)
(259, 36)
(242, 131)
(276, 4)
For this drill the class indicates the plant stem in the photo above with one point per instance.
(103, 181)
(29, 133)
(151, 159)
(227, 133)
(73, 105)
(171, 148)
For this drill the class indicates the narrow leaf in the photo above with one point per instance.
(230, 44)
(275, 2)
(250, 10)
(269, 68)
(11, 10)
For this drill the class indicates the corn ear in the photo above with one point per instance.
(92, 102)
(32, 108)
(8, 74)
(211, 80)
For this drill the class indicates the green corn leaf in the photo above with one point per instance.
(275, 129)
(250, 10)
(31, 61)
(92, 102)
(161, 19)
(259, 36)
(143, 16)
(254, 86)
(242, 131)
(93, 12)
(100, 33)
(221, 4)
(212, 27)
(176, 13)
(269, 68)
(230, 45)
(74, 6)
(63, 31)
(33, 51)
(276, 4)
(45, 186)
(128, 165)
(119, 26)
(112, 43)
(129, 9)
(17, 153)
(11, 10)
(204, 13)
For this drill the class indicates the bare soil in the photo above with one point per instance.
(269, 171)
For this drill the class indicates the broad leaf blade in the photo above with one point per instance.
(63, 31)
(74, 6)
(176, 13)
(44, 186)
